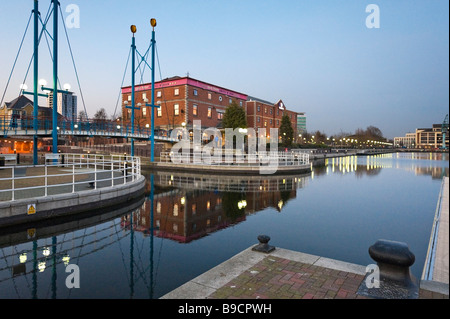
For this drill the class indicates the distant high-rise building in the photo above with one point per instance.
(67, 104)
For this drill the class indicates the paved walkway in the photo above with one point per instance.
(285, 274)
(440, 271)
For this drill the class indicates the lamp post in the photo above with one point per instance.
(152, 105)
(55, 76)
(133, 88)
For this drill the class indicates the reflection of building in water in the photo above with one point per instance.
(372, 165)
(198, 205)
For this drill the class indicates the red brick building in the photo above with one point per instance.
(263, 114)
(183, 100)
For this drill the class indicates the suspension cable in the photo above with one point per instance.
(123, 80)
(73, 61)
(17, 56)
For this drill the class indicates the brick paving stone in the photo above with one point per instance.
(278, 278)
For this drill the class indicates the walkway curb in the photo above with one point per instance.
(15, 212)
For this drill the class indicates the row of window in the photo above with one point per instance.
(258, 108)
(176, 111)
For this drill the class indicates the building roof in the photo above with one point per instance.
(19, 103)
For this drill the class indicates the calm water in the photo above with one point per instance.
(195, 222)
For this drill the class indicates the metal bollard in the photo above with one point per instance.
(394, 260)
(263, 246)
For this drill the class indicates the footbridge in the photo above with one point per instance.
(16, 127)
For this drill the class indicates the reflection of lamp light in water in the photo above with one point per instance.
(66, 260)
(242, 204)
(41, 266)
(280, 204)
(46, 251)
(23, 258)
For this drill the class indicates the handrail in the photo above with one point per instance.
(70, 173)
(236, 158)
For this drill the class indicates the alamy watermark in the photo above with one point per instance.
(73, 18)
(373, 19)
(241, 146)
(73, 279)
(373, 276)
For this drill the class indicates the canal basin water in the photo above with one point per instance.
(191, 223)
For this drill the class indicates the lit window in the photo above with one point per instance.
(209, 96)
(220, 116)
(158, 207)
(177, 92)
(144, 111)
(209, 112)
(159, 112)
(158, 94)
(175, 210)
(176, 109)
(144, 96)
(195, 110)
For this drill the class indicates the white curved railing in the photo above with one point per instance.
(67, 173)
(236, 158)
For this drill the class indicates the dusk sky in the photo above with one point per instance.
(319, 56)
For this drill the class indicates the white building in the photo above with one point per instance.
(67, 104)
(407, 141)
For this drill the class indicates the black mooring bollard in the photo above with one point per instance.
(394, 260)
(263, 246)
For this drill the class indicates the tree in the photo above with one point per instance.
(100, 116)
(286, 131)
(234, 117)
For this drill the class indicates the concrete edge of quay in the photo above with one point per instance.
(14, 213)
(217, 169)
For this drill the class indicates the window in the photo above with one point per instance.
(220, 116)
(258, 119)
(158, 207)
(265, 110)
(176, 92)
(144, 111)
(270, 121)
(176, 109)
(270, 111)
(240, 103)
(195, 93)
(220, 99)
(230, 101)
(265, 123)
(195, 110)
(158, 94)
(159, 112)
(278, 122)
(209, 96)
(209, 112)
(129, 98)
(144, 96)
(259, 108)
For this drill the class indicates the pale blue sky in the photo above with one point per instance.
(318, 56)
